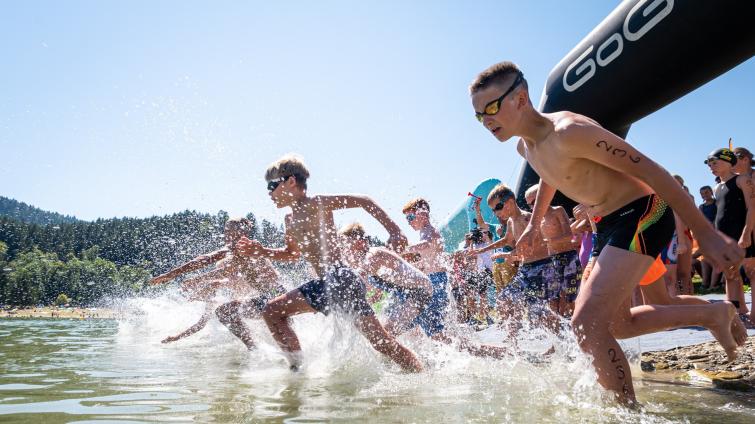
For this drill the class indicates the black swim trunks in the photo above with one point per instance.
(252, 307)
(340, 289)
(644, 226)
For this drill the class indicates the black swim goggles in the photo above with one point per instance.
(272, 185)
(493, 107)
(498, 206)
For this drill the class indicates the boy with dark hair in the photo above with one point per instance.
(574, 154)
(311, 234)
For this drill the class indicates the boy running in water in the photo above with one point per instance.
(412, 290)
(243, 276)
(529, 288)
(557, 232)
(589, 164)
(387, 271)
(429, 252)
(311, 233)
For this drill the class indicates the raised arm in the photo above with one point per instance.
(349, 201)
(506, 240)
(478, 215)
(199, 262)
(599, 145)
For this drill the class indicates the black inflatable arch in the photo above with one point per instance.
(643, 56)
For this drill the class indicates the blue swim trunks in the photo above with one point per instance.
(431, 318)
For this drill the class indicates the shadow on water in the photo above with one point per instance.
(118, 371)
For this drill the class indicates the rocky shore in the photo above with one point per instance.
(705, 364)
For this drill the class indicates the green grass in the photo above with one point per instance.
(697, 282)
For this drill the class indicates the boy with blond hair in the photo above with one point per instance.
(430, 259)
(310, 233)
(587, 163)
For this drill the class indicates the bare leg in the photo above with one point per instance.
(276, 315)
(607, 289)
(194, 328)
(671, 280)
(735, 289)
(706, 274)
(401, 320)
(646, 319)
(749, 264)
(657, 294)
(684, 273)
(230, 314)
(386, 344)
(466, 345)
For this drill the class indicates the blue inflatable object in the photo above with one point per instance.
(463, 219)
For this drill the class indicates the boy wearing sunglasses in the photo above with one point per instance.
(429, 252)
(528, 291)
(592, 166)
(310, 233)
(562, 248)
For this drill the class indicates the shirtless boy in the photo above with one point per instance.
(590, 165)
(242, 276)
(411, 288)
(311, 234)
(562, 248)
(387, 271)
(429, 252)
(529, 288)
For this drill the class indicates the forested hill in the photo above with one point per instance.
(22, 212)
(91, 261)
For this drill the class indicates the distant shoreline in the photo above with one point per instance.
(59, 313)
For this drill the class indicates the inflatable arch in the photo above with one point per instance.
(643, 56)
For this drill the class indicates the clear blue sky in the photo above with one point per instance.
(143, 108)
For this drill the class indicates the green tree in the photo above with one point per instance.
(61, 300)
(32, 273)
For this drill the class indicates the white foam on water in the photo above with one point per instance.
(343, 378)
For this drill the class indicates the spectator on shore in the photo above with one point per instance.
(710, 275)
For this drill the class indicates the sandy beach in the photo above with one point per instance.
(59, 313)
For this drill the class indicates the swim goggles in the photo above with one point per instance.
(411, 217)
(493, 107)
(498, 206)
(272, 185)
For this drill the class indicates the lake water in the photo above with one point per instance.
(118, 371)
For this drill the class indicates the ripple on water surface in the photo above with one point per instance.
(119, 371)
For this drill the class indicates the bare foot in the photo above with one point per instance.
(738, 330)
(723, 315)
